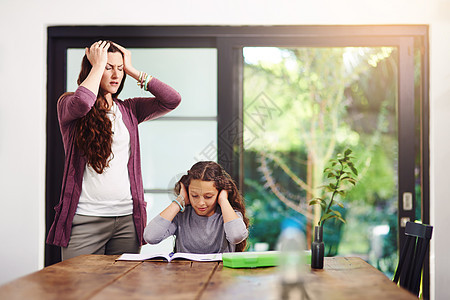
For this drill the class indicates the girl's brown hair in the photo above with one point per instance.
(93, 131)
(212, 171)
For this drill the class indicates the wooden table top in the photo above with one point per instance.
(101, 277)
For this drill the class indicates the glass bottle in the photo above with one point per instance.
(317, 248)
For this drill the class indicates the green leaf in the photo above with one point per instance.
(328, 170)
(328, 189)
(316, 201)
(337, 217)
(347, 152)
(338, 203)
(325, 217)
(341, 219)
(354, 170)
(352, 181)
(349, 179)
(337, 213)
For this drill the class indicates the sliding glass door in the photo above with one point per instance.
(302, 101)
(302, 106)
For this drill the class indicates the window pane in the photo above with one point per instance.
(169, 148)
(192, 72)
(74, 57)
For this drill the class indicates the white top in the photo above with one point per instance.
(109, 194)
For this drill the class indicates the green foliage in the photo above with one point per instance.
(341, 172)
(376, 184)
(265, 214)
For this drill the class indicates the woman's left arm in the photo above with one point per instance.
(166, 98)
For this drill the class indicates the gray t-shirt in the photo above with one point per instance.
(198, 234)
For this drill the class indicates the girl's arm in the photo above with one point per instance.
(162, 226)
(234, 226)
(172, 210)
(228, 212)
(158, 229)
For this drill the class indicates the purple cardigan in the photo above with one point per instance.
(73, 106)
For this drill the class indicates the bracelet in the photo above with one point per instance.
(143, 80)
(146, 83)
(179, 204)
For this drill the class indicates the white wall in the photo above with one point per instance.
(23, 41)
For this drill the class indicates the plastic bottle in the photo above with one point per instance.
(291, 244)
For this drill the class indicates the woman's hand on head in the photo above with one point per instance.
(183, 192)
(127, 65)
(97, 54)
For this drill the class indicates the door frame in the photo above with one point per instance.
(229, 41)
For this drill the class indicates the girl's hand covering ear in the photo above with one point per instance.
(223, 196)
(183, 192)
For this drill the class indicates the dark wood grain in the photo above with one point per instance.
(352, 278)
(77, 278)
(258, 283)
(341, 278)
(101, 277)
(162, 280)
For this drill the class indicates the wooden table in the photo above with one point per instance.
(101, 277)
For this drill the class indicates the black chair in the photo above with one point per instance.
(412, 256)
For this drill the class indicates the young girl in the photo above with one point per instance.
(208, 216)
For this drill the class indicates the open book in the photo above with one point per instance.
(171, 256)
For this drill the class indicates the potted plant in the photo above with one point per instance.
(343, 175)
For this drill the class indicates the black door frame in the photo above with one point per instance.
(229, 41)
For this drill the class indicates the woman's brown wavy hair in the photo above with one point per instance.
(212, 171)
(93, 131)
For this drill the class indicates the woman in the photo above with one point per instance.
(208, 216)
(102, 207)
